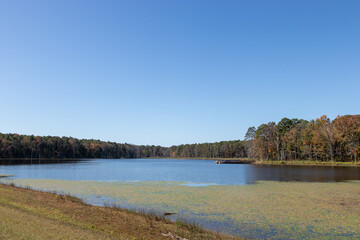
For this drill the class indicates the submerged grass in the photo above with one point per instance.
(271, 210)
(188, 224)
(147, 214)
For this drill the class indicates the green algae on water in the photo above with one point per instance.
(271, 210)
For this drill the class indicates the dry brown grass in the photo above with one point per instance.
(29, 214)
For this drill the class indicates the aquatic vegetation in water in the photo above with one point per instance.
(278, 210)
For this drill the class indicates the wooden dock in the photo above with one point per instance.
(234, 161)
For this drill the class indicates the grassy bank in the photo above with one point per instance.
(309, 163)
(29, 214)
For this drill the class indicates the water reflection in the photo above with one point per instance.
(303, 173)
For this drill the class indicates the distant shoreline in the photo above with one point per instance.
(5, 175)
(288, 162)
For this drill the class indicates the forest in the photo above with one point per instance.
(298, 139)
(25, 146)
(289, 139)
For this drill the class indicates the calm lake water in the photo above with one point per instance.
(196, 172)
(115, 181)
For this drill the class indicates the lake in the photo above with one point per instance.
(191, 171)
(251, 201)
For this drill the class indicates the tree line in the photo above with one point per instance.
(224, 149)
(289, 139)
(298, 139)
(29, 146)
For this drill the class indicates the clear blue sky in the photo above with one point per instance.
(174, 71)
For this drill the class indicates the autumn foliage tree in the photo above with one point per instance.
(320, 139)
(347, 134)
